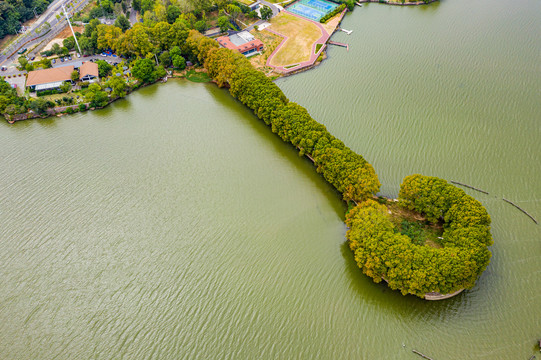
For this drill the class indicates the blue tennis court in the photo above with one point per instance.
(312, 9)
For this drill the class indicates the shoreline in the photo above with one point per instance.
(387, 2)
(60, 111)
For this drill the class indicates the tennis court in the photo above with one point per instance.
(312, 9)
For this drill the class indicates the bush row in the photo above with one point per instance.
(383, 253)
(337, 10)
(347, 171)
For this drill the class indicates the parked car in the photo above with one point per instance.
(33, 58)
(69, 57)
(53, 61)
(78, 55)
(62, 59)
(4, 68)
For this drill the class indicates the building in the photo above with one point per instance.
(243, 42)
(48, 79)
(89, 71)
(254, 6)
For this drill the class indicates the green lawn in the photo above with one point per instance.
(199, 77)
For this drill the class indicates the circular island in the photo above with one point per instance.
(432, 242)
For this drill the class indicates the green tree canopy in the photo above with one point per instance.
(144, 70)
(104, 68)
(122, 22)
(223, 23)
(266, 12)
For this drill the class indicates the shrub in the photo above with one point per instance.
(326, 18)
(385, 254)
(82, 107)
(347, 171)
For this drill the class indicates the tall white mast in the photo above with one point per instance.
(73, 32)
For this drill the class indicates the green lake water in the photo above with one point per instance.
(174, 225)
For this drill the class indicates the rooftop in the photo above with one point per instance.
(242, 41)
(49, 75)
(88, 68)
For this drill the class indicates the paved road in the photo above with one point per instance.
(275, 11)
(12, 70)
(133, 16)
(49, 16)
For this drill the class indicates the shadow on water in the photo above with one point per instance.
(408, 307)
(286, 150)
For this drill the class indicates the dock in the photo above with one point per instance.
(339, 44)
(346, 31)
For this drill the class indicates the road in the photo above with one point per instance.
(13, 71)
(50, 17)
(275, 11)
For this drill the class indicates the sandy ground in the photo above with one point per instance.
(270, 42)
(65, 33)
(302, 34)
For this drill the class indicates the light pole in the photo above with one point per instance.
(73, 32)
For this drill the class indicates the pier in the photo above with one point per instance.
(339, 44)
(346, 31)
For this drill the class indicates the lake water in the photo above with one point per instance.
(174, 224)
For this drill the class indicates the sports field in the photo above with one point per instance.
(312, 9)
(301, 36)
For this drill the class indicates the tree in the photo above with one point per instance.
(86, 45)
(118, 9)
(56, 49)
(107, 6)
(122, 22)
(39, 106)
(90, 27)
(175, 51)
(161, 35)
(118, 85)
(23, 62)
(201, 26)
(135, 41)
(29, 67)
(144, 70)
(223, 23)
(74, 75)
(65, 87)
(69, 42)
(165, 59)
(107, 36)
(266, 12)
(179, 62)
(234, 11)
(173, 12)
(104, 68)
(96, 96)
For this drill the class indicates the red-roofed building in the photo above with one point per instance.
(243, 42)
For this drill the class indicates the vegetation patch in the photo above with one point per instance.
(346, 170)
(301, 35)
(404, 247)
(318, 47)
(291, 66)
(327, 17)
(199, 77)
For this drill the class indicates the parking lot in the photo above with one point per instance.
(19, 81)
